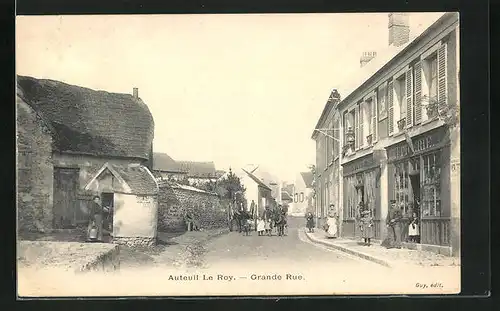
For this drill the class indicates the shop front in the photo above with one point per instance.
(419, 181)
(361, 184)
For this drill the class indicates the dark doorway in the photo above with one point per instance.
(65, 197)
(108, 200)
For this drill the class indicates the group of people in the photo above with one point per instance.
(394, 222)
(329, 225)
(264, 224)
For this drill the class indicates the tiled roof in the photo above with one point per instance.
(163, 162)
(184, 187)
(286, 196)
(88, 121)
(308, 178)
(198, 169)
(137, 178)
(257, 180)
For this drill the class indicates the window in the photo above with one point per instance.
(402, 187)
(336, 131)
(350, 197)
(326, 146)
(348, 123)
(368, 117)
(431, 185)
(430, 69)
(301, 197)
(400, 88)
(382, 103)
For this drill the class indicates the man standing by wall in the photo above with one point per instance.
(394, 224)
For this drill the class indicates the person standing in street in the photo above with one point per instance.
(367, 225)
(96, 217)
(394, 224)
(310, 222)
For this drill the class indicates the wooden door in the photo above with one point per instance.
(65, 197)
(108, 201)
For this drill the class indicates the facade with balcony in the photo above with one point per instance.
(396, 141)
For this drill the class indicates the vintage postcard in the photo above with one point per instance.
(238, 154)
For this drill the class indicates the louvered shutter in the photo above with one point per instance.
(418, 92)
(356, 127)
(362, 107)
(409, 98)
(374, 118)
(442, 69)
(390, 106)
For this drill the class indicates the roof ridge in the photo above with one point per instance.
(73, 85)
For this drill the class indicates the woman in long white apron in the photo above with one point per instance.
(332, 230)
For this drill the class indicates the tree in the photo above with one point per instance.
(230, 188)
(312, 169)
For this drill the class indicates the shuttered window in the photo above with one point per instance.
(418, 93)
(390, 106)
(356, 127)
(442, 69)
(374, 119)
(361, 124)
(409, 98)
(402, 98)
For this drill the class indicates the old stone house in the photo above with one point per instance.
(395, 145)
(68, 138)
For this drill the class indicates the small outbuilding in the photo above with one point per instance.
(131, 192)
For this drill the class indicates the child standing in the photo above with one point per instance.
(414, 230)
(261, 226)
(267, 227)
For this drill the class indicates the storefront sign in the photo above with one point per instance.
(359, 165)
(420, 144)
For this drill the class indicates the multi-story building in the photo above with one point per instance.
(328, 142)
(397, 141)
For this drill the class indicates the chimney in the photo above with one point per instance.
(136, 93)
(366, 57)
(399, 28)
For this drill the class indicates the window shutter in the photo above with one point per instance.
(390, 106)
(356, 129)
(442, 69)
(374, 118)
(362, 107)
(409, 98)
(418, 92)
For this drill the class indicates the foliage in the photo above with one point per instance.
(447, 111)
(312, 168)
(228, 187)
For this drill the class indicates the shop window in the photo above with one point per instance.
(431, 185)
(350, 197)
(402, 186)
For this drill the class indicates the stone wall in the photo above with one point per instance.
(174, 201)
(135, 241)
(34, 170)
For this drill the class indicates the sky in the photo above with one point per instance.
(232, 89)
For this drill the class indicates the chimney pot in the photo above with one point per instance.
(136, 93)
(399, 28)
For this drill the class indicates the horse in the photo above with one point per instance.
(241, 218)
(280, 222)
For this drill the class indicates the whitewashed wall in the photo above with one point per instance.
(135, 216)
